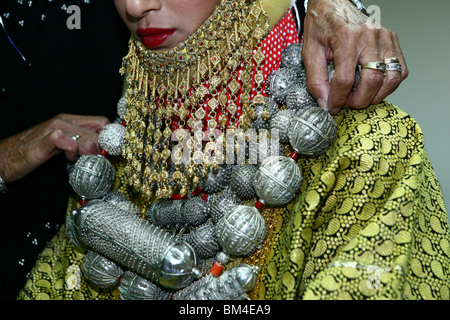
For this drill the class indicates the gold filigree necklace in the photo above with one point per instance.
(206, 81)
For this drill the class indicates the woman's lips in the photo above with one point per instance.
(154, 37)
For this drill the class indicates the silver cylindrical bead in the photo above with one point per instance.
(231, 285)
(134, 243)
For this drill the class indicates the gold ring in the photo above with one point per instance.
(391, 60)
(376, 65)
(76, 137)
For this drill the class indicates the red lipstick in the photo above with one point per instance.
(154, 37)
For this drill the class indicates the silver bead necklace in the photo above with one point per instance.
(216, 225)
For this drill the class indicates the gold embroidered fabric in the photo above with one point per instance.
(370, 223)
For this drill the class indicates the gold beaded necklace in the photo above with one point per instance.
(206, 80)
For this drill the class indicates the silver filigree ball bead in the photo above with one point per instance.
(331, 70)
(312, 131)
(203, 240)
(216, 180)
(280, 122)
(166, 214)
(221, 204)
(291, 57)
(111, 138)
(279, 83)
(242, 181)
(92, 176)
(195, 211)
(278, 180)
(101, 271)
(241, 231)
(129, 207)
(114, 197)
(122, 106)
(299, 97)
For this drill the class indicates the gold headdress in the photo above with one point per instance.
(207, 80)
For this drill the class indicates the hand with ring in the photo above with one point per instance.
(334, 30)
(72, 135)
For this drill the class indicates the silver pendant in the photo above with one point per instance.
(111, 138)
(280, 122)
(195, 211)
(291, 57)
(216, 180)
(311, 131)
(92, 176)
(221, 204)
(122, 107)
(242, 181)
(166, 214)
(279, 83)
(178, 214)
(278, 180)
(264, 112)
(241, 231)
(299, 97)
(114, 197)
(203, 240)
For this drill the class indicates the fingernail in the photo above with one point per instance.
(322, 103)
(334, 111)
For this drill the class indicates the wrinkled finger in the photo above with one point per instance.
(401, 57)
(314, 58)
(54, 143)
(70, 143)
(371, 79)
(392, 78)
(368, 86)
(88, 139)
(345, 62)
(94, 123)
(88, 146)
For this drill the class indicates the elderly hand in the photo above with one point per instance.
(336, 30)
(72, 135)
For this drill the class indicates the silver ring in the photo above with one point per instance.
(394, 67)
(376, 65)
(76, 137)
